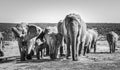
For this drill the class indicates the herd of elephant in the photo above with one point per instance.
(72, 32)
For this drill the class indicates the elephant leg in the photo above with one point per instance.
(61, 50)
(88, 48)
(68, 48)
(92, 44)
(38, 54)
(82, 49)
(56, 53)
(110, 45)
(1, 53)
(114, 45)
(61, 47)
(52, 56)
(95, 47)
(78, 47)
(20, 47)
(23, 54)
(41, 53)
(1, 45)
(85, 49)
(47, 50)
(29, 56)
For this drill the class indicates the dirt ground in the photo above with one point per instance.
(101, 60)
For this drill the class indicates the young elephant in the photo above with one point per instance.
(40, 44)
(54, 41)
(112, 39)
(39, 49)
(94, 34)
(87, 43)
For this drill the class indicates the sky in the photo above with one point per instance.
(51, 11)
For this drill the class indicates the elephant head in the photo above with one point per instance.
(26, 35)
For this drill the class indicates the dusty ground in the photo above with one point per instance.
(101, 60)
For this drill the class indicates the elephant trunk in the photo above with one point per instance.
(74, 42)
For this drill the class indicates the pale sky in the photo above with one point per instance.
(52, 11)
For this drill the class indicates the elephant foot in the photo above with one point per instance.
(53, 56)
(75, 59)
(29, 57)
(22, 57)
(1, 53)
(68, 57)
(32, 53)
(62, 55)
(38, 57)
(88, 51)
(110, 51)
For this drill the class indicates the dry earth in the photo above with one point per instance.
(101, 60)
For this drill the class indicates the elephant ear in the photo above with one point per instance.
(59, 37)
(33, 31)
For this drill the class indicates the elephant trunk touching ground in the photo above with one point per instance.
(74, 41)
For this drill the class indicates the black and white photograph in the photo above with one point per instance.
(59, 34)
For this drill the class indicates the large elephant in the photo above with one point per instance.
(94, 34)
(112, 39)
(26, 35)
(75, 34)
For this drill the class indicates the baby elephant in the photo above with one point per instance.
(112, 39)
(54, 41)
(40, 49)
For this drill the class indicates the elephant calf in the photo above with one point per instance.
(54, 41)
(112, 39)
(87, 43)
(94, 35)
(40, 47)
